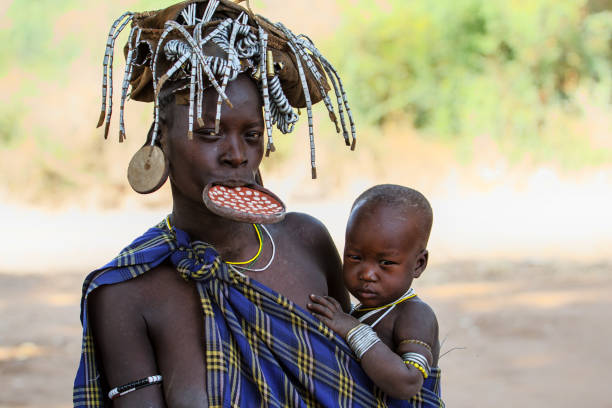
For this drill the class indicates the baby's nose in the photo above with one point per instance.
(368, 274)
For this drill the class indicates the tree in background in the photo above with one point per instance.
(466, 68)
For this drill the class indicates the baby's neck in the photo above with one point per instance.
(363, 313)
(408, 293)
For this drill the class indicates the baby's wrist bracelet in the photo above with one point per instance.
(361, 338)
(417, 361)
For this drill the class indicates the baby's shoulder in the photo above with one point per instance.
(415, 318)
(414, 308)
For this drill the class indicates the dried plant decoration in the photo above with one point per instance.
(107, 72)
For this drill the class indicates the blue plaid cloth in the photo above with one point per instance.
(261, 349)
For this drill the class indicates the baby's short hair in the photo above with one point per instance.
(403, 199)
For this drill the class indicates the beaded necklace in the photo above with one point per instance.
(244, 268)
(410, 293)
(253, 259)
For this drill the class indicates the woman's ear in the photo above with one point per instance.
(421, 263)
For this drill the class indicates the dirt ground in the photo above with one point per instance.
(517, 334)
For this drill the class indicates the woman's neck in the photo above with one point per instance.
(232, 239)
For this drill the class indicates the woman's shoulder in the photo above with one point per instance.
(138, 293)
(299, 218)
(305, 225)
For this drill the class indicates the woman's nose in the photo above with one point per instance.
(234, 150)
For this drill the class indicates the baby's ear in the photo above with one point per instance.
(421, 263)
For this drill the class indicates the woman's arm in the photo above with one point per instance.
(122, 345)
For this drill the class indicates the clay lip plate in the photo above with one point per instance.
(243, 202)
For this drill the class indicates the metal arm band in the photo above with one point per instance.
(418, 361)
(361, 338)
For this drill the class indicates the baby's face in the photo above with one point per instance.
(383, 253)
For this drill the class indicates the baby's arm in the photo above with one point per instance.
(384, 366)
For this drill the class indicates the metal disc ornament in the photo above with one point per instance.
(148, 170)
(250, 203)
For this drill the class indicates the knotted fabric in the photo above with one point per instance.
(197, 261)
(261, 349)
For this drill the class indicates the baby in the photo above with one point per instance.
(392, 331)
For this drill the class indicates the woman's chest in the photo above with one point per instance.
(293, 273)
(175, 323)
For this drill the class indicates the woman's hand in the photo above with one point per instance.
(328, 310)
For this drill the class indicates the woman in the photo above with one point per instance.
(206, 309)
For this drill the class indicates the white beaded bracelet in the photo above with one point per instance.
(134, 385)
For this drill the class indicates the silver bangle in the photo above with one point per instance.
(419, 361)
(361, 338)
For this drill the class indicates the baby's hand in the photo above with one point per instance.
(329, 311)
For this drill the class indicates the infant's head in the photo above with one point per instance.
(386, 243)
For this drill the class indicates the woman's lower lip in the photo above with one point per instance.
(231, 183)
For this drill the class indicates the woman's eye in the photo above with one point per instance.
(253, 136)
(207, 133)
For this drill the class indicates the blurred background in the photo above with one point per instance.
(500, 112)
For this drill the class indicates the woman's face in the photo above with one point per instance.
(230, 157)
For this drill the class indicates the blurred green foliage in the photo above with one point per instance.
(27, 38)
(467, 68)
(28, 47)
(41, 40)
(40, 49)
(30, 42)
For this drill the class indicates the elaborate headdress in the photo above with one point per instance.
(200, 43)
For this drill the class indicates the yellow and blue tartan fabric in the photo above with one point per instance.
(261, 349)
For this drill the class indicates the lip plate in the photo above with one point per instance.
(242, 216)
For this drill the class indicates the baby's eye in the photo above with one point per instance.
(353, 257)
(386, 262)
